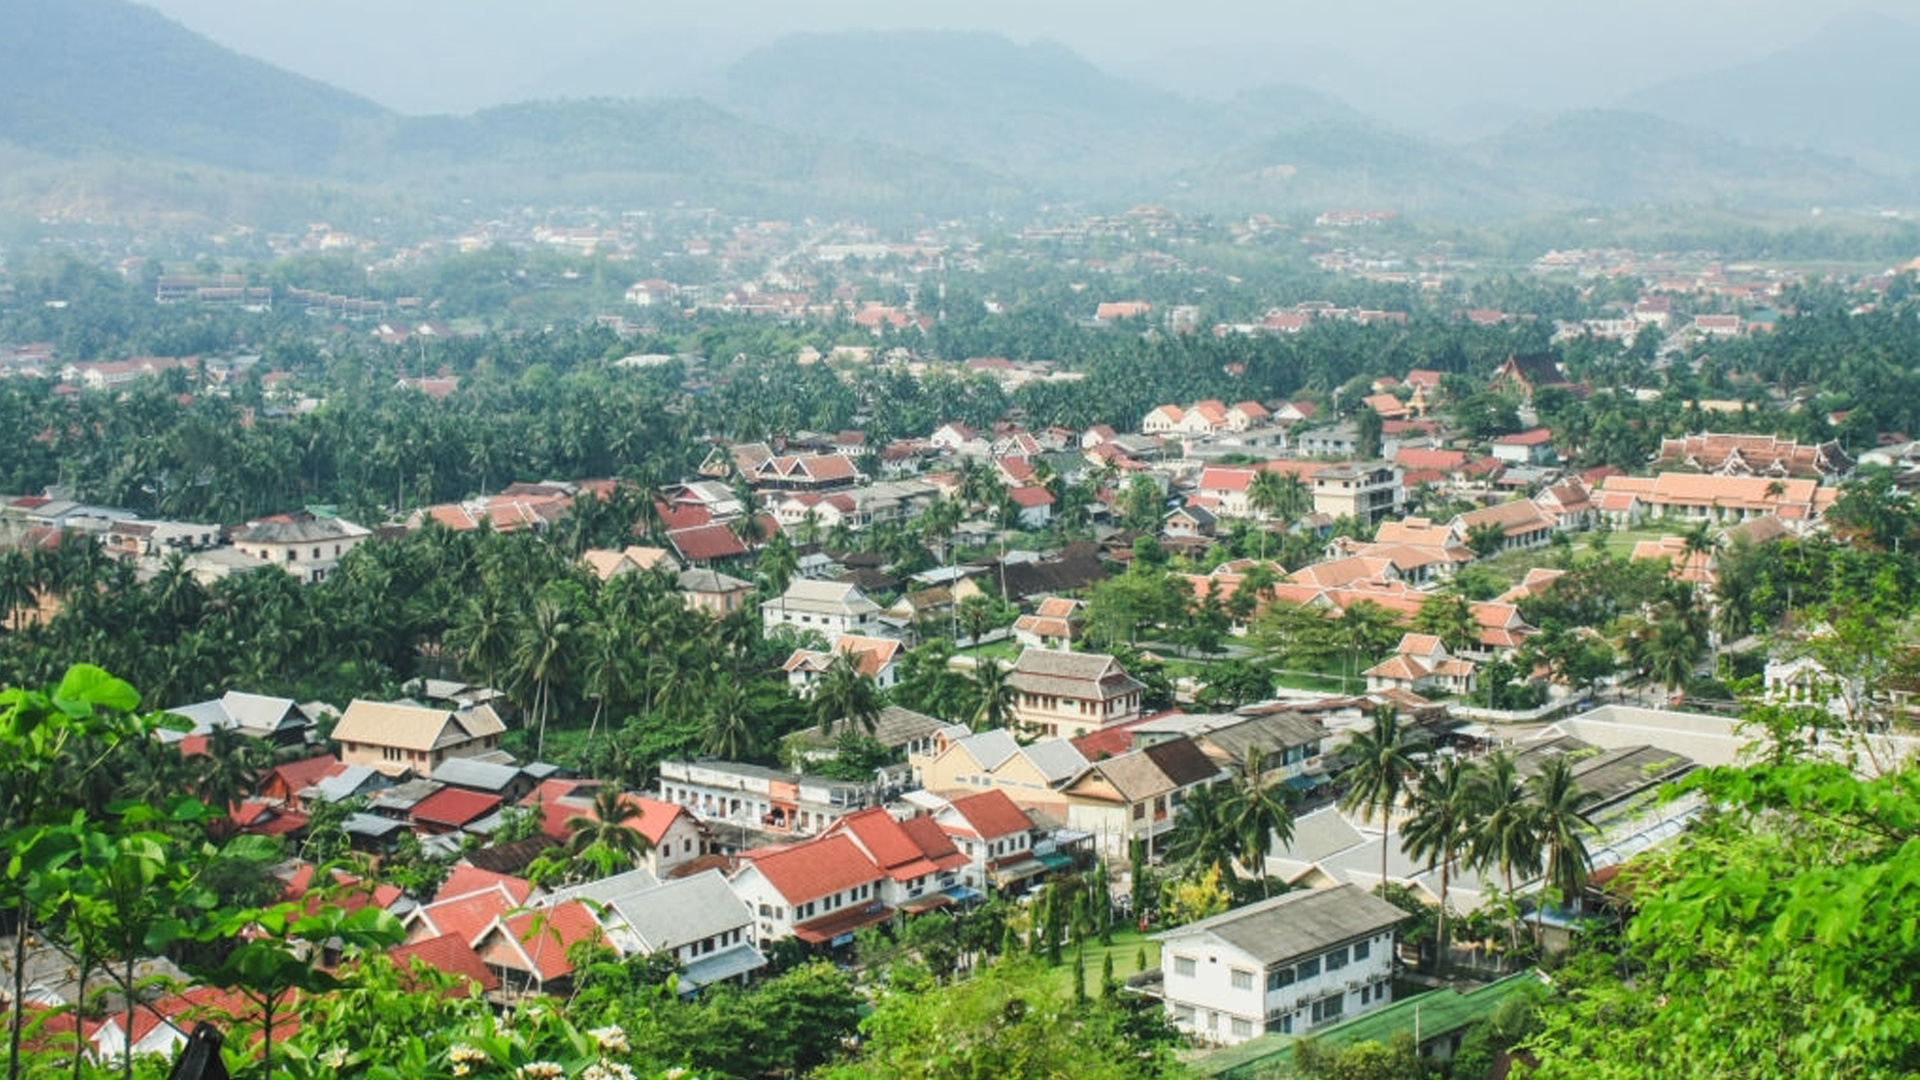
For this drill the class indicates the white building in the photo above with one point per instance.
(307, 548)
(833, 608)
(1285, 965)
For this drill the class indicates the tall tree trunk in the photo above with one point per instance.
(126, 1059)
(1440, 954)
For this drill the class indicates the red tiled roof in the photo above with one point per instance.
(991, 814)
(306, 772)
(816, 868)
(469, 915)
(1029, 497)
(449, 954)
(706, 542)
(454, 807)
(683, 517)
(1535, 437)
(465, 878)
(545, 944)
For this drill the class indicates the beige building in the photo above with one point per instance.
(392, 738)
(1138, 793)
(1069, 694)
(1365, 491)
(960, 764)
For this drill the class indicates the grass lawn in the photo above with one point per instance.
(1006, 649)
(1125, 949)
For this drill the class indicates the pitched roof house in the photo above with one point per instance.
(393, 738)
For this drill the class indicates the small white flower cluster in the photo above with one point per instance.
(611, 1039)
(540, 1070)
(607, 1070)
(464, 1058)
(334, 1058)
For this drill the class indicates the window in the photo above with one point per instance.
(1242, 980)
(1308, 968)
(1183, 966)
(1279, 979)
(1360, 951)
(1337, 959)
(1183, 1013)
(1242, 1029)
(1366, 994)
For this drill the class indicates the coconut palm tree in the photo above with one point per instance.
(1445, 804)
(993, 695)
(1506, 836)
(1560, 820)
(1204, 839)
(17, 581)
(1257, 813)
(602, 837)
(540, 655)
(729, 725)
(844, 695)
(1382, 759)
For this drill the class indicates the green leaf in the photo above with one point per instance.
(92, 686)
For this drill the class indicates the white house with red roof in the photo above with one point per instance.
(1164, 420)
(528, 951)
(876, 658)
(673, 834)
(820, 890)
(918, 858)
(994, 834)
(1421, 663)
(1531, 447)
(957, 438)
(1035, 503)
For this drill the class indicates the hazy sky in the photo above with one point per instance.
(1405, 57)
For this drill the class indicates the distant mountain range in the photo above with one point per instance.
(1848, 90)
(876, 123)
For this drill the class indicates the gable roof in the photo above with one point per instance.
(815, 868)
(448, 954)
(541, 939)
(1296, 923)
(988, 815)
(1070, 674)
(414, 727)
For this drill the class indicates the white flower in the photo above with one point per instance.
(462, 1054)
(461, 1068)
(675, 1073)
(607, 1070)
(334, 1058)
(610, 1039)
(540, 1070)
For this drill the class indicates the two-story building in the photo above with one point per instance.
(304, 546)
(1363, 491)
(1067, 694)
(994, 835)
(833, 608)
(392, 738)
(1287, 965)
(919, 859)
(820, 890)
(747, 803)
(1137, 794)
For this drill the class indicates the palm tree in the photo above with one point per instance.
(17, 581)
(601, 837)
(993, 695)
(1506, 835)
(231, 768)
(1265, 495)
(1382, 757)
(1561, 821)
(1203, 839)
(1257, 813)
(1670, 652)
(729, 729)
(608, 671)
(540, 656)
(844, 694)
(1445, 805)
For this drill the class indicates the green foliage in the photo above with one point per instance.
(1798, 891)
(1011, 1020)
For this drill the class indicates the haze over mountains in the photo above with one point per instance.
(945, 121)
